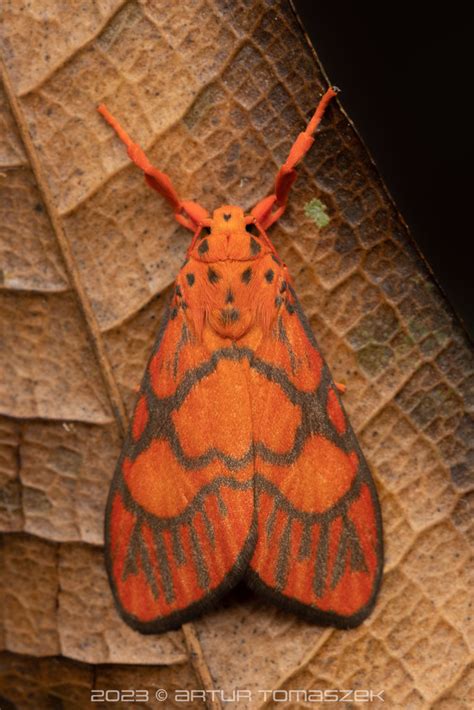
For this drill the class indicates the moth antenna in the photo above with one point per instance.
(271, 208)
(161, 182)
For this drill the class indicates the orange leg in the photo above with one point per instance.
(156, 179)
(287, 173)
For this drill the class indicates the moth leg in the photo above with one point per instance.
(339, 386)
(268, 210)
(161, 182)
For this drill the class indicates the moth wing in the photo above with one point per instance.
(178, 527)
(319, 547)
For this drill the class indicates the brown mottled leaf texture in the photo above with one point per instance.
(215, 91)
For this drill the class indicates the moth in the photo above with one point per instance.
(240, 462)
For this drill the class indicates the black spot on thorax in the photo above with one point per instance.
(255, 247)
(203, 247)
(212, 275)
(246, 275)
(229, 316)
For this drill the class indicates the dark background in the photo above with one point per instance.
(406, 77)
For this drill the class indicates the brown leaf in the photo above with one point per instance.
(57, 601)
(49, 683)
(33, 683)
(215, 91)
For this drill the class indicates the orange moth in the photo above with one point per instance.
(240, 462)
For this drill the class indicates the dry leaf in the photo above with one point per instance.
(215, 91)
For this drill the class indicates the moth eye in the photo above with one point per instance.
(205, 232)
(252, 228)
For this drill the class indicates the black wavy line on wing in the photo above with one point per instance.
(312, 405)
(193, 506)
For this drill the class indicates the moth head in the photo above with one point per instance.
(226, 220)
(228, 234)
